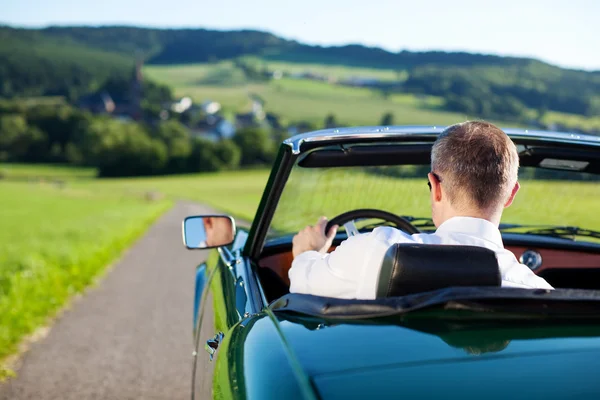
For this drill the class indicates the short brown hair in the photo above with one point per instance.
(478, 160)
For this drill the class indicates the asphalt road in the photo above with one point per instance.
(130, 337)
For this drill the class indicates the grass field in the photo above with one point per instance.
(338, 72)
(592, 123)
(297, 100)
(235, 192)
(54, 241)
(305, 100)
(48, 172)
(311, 193)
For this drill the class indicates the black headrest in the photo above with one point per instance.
(414, 268)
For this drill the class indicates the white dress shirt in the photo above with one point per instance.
(352, 269)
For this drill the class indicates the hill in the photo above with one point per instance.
(181, 46)
(476, 84)
(33, 63)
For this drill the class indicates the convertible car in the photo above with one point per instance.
(441, 325)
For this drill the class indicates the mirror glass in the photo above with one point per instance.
(208, 231)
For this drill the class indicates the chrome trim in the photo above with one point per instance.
(366, 133)
(228, 258)
(239, 242)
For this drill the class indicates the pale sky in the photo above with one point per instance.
(565, 33)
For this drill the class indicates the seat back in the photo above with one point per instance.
(409, 268)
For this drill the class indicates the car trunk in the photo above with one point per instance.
(490, 360)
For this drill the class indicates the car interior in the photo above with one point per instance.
(563, 258)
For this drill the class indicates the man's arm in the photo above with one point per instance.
(314, 238)
(333, 275)
(351, 271)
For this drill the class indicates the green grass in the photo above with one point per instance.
(54, 241)
(311, 193)
(42, 171)
(331, 70)
(303, 100)
(297, 100)
(235, 192)
(572, 120)
(222, 73)
(231, 97)
(312, 101)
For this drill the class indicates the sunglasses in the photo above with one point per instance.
(436, 177)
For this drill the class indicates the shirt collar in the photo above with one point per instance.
(477, 227)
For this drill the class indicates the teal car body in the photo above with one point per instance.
(465, 343)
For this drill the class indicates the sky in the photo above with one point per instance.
(565, 33)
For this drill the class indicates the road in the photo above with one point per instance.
(130, 337)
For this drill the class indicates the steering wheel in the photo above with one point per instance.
(347, 220)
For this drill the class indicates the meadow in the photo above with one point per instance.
(40, 172)
(303, 100)
(315, 192)
(312, 193)
(55, 240)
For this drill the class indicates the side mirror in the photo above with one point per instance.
(208, 231)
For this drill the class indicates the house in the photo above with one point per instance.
(97, 103)
(256, 117)
(273, 121)
(181, 105)
(210, 107)
(213, 127)
(247, 120)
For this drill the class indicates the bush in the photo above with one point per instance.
(177, 140)
(204, 156)
(229, 154)
(123, 149)
(209, 156)
(256, 145)
(18, 140)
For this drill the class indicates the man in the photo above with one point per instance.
(473, 177)
(218, 232)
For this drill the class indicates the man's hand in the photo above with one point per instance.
(314, 238)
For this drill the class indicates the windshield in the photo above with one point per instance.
(548, 198)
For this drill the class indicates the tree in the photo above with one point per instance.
(204, 156)
(122, 149)
(18, 141)
(256, 145)
(176, 138)
(229, 154)
(387, 119)
(61, 126)
(208, 156)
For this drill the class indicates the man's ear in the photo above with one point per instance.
(515, 189)
(436, 187)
